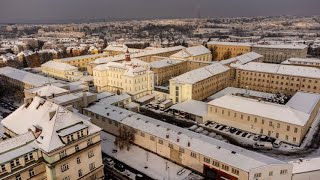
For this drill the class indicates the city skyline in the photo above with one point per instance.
(35, 11)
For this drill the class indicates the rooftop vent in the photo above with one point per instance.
(168, 129)
(146, 121)
(189, 144)
(179, 133)
(178, 139)
(158, 125)
(107, 114)
(218, 147)
(106, 108)
(167, 135)
(233, 152)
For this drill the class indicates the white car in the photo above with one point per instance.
(108, 161)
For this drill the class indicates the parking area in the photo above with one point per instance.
(243, 138)
(115, 170)
(6, 107)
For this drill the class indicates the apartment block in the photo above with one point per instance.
(47, 141)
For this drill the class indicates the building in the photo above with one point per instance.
(191, 109)
(311, 62)
(200, 83)
(197, 53)
(47, 92)
(146, 56)
(243, 59)
(288, 123)
(130, 76)
(226, 50)
(275, 78)
(61, 71)
(50, 142)
(277, 53)
(81, 61)
(23, 79)
(213, 158)
(166, 69)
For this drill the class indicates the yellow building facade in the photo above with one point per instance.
(235, 49)
(61, 71)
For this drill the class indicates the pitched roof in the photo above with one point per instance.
(48, 116)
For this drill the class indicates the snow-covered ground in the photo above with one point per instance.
(139, 159)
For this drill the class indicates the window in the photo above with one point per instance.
(89, 142)
(283, 172)
(192, 154)
(92, 166)
(142, 134)
(270, 123)
(170, 145)
(160, 141)
(78, 160)
(295, 130)
(205, 159)
(80, 172)
(262, 121)
(152, 138)
(225, 167)
(3, 168)
(257, 175)
(77, 148)
(181, 150)
(93, 177)
(278, 125)
(235, 171)
(288, 128)
(287, 137)
(90, 154)
(12, 164)
(31, 173)
(270, 173)
(294, 139)
(215, 163)
(66, 178)
(64, 167)
(18, 177)
(277, 135)
(63, 154)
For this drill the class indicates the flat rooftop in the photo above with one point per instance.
(194, 107)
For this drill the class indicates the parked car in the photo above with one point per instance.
(217, 126)
(119, 167)
(139, 177)
(181, 171)
(256, 138)
(233, 130)
(244, 134)
(277, 143)
(238, 132)
(222, 128)
(262, 145)
(108, 161)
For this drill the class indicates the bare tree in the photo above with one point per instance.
(125, 138)
(227, 55)
(214, 53)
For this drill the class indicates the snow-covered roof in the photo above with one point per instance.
(194, 107)
(17, 146)
(26, 77)
(242, 59)
(303, 61)
(47, 116)
(305, 165)
(114, 99)
(228, 43)
(164, 63)
(290, 70)
(59, 66)
(104, 95)
(191, 51)
(281, 46)
(47, 90)
(304, 102)
(233, 90)
(137, 55)
(90, 56)
(130, 68)
(264, 109)
(226, 153)
(200, 74)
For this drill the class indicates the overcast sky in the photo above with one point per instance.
(29, 11)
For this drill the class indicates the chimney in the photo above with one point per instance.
(85, 99)
(188, 144)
